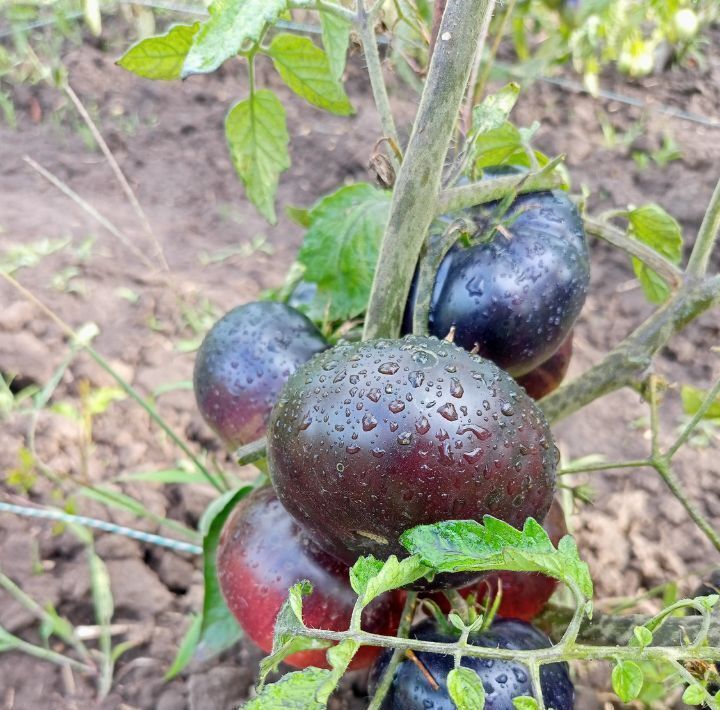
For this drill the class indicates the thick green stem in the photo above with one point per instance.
(604, 466)
(656, 261)
(458, 198)
(415, 196)
(366, 30)
(708, 234)
(557, 653)
(626, 364)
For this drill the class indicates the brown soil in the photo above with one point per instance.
(168, 138)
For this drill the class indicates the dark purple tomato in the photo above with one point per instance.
(546, 378)
(502, 680)
(243, 364)
(263, 552)
(370, 439)
(513, 299)
(524, 594)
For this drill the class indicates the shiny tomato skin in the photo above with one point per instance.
(514, 296)
(370, 439)
(524, 594)
(263, 552)
(243, 363)
(546, 378)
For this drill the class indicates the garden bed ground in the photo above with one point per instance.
(168, 138)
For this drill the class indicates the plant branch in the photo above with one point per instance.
(458, 198)
(322, 5)
(627, 363)
(672, 482)
(614, 633)
(366, 30)
(589, 468)
(414, 201)
(706, 237)
(708, 402)
(656, 261)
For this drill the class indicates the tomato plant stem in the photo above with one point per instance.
(556, 653)
(457, 198)
(534, 669)
(627, 363)
(406, 620)
(656, 261)
(604, 466)
(666, 473)
(703, 409)
(706, 238)
(366, 30)
(331, 7)
(414, 200)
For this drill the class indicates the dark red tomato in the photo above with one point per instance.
(524, 594)
(370, 439)
(263, 552)
(502, 680)
(547, 377)
(243, 364)
(514, 297)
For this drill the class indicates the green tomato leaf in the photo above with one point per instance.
(295, 595)
(306, 69)
(652, 225)
(643, 636)
(525, 702)
(258, 138)
(627, 680)
(694, 695)
(370, 577)
(294, 691)
(692, 399)
(340, 250)
(288, 638)
(466, 545)
(492, 113)
(497, 146)
(339, 658)
(160, 57)
(219, 629)
(466, 689)
(336, 38)
(231, 24)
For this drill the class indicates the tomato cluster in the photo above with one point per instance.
(368, 439)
